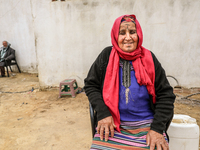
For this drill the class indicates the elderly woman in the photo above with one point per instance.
(128, 89)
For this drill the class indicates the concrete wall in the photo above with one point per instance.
(64, 38)
(16, 26)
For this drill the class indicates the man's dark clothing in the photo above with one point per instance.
(9, 55)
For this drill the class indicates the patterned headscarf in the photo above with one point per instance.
(128, 19)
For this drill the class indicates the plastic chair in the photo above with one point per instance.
(93, 119)
(11, 63)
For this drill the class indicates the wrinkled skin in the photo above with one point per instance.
(128, 38)
(153, 138)
(127, 41)
(5, 44)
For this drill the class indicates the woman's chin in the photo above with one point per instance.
(128, 50)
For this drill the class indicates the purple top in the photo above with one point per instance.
(134, 101)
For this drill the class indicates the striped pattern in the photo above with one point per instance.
(132, 137)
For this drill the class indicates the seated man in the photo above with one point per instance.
(6, 54)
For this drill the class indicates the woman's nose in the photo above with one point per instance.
(128, 37)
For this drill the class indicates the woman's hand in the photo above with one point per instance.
(107, 125)
(156, 139)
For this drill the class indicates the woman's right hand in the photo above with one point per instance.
(107, 125)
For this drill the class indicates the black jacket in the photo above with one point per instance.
(163, 108)
(10, 54)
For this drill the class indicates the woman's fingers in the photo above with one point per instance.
(152, 146)
(98, 129)
(106, 133)
(164, 146)
(158, 145)
(113, 123)
(106, 126)
(147, 140)
(112, 131)
(157, 140)
(101, 132)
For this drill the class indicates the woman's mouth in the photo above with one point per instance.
(128, 43)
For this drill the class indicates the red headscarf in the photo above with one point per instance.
(143, 65)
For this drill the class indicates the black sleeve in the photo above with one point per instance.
(94, 83)
(164, 106)
(12, 54)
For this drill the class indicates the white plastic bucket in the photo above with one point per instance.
(183, 133)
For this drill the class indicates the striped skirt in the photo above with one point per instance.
(132, 137)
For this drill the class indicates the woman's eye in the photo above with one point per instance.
(122, 33)
(132, 32)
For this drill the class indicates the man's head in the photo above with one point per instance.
(5, 44)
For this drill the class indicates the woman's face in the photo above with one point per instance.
(128, 38)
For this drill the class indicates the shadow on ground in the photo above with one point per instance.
(33, 119)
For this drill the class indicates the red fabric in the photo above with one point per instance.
(142, 63)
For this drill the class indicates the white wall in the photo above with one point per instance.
(171, 31)
(64, 38)
(16, 26)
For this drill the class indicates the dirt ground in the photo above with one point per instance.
(39, 120)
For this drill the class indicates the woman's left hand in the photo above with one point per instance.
(156, 139)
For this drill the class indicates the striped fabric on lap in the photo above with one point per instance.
(132, 137)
